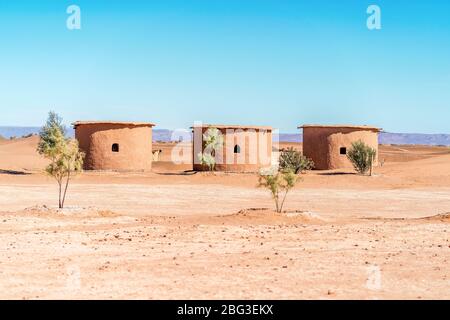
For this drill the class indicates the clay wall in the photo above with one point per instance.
(132, 150)
(327, 146)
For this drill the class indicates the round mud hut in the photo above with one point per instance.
(327, 145)
(241, 149)
(115, 146)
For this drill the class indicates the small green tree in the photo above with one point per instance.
(212, 141)
(362, 157)
(279, 184)
(207, 160)
(291, 159)
(65, 157)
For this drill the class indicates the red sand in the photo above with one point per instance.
(174, 234)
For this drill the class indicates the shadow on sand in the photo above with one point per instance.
(335, 173)
(14, 172)
(183, 173)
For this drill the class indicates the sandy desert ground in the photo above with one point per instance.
(174, 234)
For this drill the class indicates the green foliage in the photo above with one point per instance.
(51, 135)
(361, 156)
(206, 159)
(279, 183)
(212, 141)
(63, 153)
(291, 159)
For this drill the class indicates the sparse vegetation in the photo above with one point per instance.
(362, 157)
(63, 153)
(291, 159)
(212, 141)
(279, 183)
(207, 160)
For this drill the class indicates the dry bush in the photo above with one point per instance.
(293, 160)
(361, 156)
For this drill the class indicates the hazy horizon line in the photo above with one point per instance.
(281, 132)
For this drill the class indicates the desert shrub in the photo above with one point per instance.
(28, 135)
(279, 183)
(212, 141)
(361, 156)
(65, 157)
(291, 159)
(207, 160)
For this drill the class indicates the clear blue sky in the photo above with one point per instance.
(268, 62)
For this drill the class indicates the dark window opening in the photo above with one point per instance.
(343, 150)
(237, 149)
(115, 147)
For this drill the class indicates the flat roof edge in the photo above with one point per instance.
(224, 126)
(362, 127)
(79, 123)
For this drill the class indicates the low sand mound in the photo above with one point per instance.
(269, 216)
(444, 217)
(45, 211)
(429, 172)
(406, 153)
(20, 154)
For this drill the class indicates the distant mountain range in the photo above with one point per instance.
(165, 135)
(391, 138)
(8, 132)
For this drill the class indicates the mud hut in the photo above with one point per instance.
(117, 146)
(244, 148)
(327, 145)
